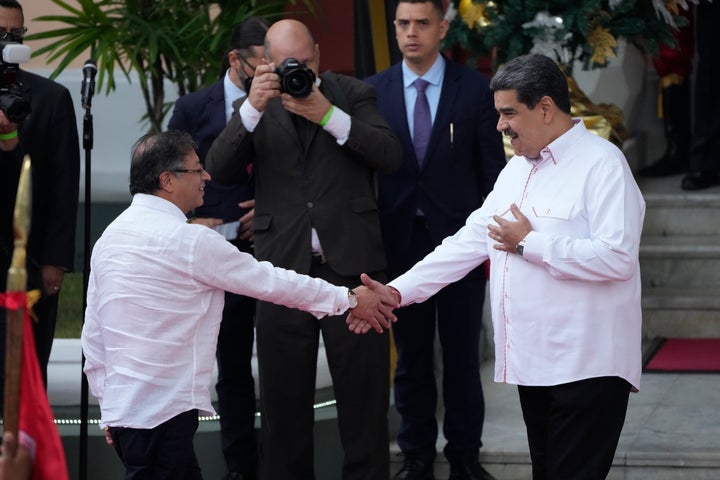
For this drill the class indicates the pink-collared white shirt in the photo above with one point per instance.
(154, 304)
(569, 308)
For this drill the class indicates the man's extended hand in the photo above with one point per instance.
(375, 309)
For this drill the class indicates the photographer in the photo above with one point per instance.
(49, 135)
(314, 158)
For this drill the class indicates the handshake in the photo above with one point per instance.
(375, 306)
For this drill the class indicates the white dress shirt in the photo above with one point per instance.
(569, 309)
(154, 304)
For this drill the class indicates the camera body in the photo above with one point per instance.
(296, 79)
(12, 103)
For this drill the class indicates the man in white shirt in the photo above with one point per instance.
(154, 305)
(562, 231)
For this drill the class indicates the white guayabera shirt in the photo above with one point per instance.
(154, 305)
(569, 308)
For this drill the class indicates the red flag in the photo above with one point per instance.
(37, 427)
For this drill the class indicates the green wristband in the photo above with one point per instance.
(11, 135)
(327, 116)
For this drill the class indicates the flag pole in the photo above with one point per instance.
(16, 282)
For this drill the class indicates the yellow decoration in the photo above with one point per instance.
(602, 43)
(473, 13)
(605, 120)
(33, 296)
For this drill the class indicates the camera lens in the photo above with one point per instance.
(296, 78)
(16, 108)
(298, 84)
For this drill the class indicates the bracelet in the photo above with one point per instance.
(327, 116)
(9, 136)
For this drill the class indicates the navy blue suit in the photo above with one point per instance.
(464, 156)
(202, 114)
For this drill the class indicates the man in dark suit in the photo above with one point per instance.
(428, 199)
(49, 135)
(204, 114)
(314, 159)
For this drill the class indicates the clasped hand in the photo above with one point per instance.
(374, 309)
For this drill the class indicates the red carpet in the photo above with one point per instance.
(686, 355)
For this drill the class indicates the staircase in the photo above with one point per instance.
(680, 260)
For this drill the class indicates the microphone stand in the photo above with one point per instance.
(87, 145)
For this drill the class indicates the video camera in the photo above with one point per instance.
(15, 107)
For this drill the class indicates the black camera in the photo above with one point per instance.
(296, 79)
(15, 107)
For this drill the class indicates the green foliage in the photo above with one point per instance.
(179, 40)
(508, 34)
(70, 307)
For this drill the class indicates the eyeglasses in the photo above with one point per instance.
(244, 61)
(16, 34)
(200, 170)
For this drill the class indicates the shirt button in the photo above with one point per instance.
(310, 204)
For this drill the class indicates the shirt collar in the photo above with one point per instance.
(433, 75)
(560, 145)
(232, 91)
(158, 203)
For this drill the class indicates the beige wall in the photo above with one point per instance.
(37, 8)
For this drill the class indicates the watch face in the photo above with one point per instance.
(352, 299)
(520, 249)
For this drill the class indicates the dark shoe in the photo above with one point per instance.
(700, 180)
(414, 469)
(474, 471)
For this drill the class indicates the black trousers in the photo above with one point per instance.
(573, 429)
(456, 313)
(163, 452)
(287, 344)
(235, 386)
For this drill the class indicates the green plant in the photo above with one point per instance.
(70, 307)
(582, 30)
(178, 40)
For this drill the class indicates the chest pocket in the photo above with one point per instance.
(554, 217)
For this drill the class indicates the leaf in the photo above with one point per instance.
(602, 44)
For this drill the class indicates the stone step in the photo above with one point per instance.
(671, 214)
(680, 260)
(681, 312)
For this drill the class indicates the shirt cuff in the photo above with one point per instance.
(338, 126)
(249, 115)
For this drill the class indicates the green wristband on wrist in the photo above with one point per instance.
(327, 116)
(9, 136)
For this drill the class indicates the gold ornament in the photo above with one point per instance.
(603, 44)
(474, 13)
